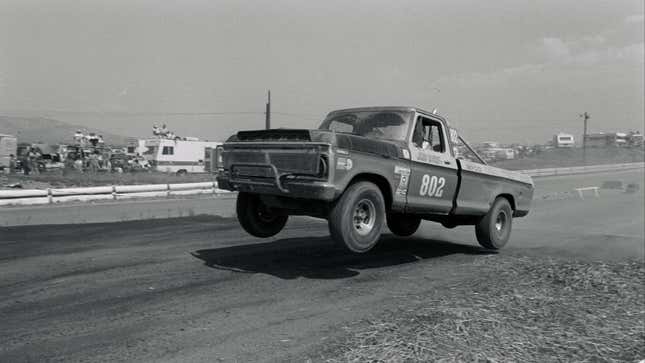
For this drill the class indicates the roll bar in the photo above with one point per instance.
(472, 150)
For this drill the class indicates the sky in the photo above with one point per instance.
(499, 70)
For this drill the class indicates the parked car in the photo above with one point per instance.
(120, 162)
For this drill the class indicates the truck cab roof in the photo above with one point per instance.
(393, 108)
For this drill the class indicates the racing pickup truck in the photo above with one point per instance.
(365, 168)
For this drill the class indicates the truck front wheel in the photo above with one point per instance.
(357, 218)
(403, 225)
(494, 229)
(256, 218)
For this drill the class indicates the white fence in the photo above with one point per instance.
(123, 192)
(114, 192)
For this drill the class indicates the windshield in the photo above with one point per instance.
(389, 125)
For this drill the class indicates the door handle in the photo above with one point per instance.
(447, 162)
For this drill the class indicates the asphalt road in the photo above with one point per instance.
(199, 289)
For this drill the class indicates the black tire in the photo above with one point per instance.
(182, 172)
(494, 229)
(403, 225)
(357, 218)
(256, 218)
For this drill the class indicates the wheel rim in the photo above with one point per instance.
(265, 215)
(500, 222)
(364, 217)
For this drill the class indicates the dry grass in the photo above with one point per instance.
(75, 179)
(518, 310)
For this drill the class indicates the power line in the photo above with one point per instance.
(158, 113)
(142, 113)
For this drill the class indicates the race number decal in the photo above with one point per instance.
(432, 186)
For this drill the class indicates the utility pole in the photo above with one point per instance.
(268, 111)
(586, 117)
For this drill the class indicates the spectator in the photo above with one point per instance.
(93, 139)
(107, 165)
(164, 131)
(78, 164)
(33, 156)
(155, 130)
(101, 141)
(26, 163)
(94, 162)
(79, 137)
(12, 163)
(68, 165)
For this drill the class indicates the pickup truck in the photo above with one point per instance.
(365, 168)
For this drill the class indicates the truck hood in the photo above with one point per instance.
(348, 142)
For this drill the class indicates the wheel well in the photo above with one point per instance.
(380, 181)
(510, 199)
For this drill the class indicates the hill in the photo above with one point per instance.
(39, 129)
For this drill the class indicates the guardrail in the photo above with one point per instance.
(582, 169)
(123, 192)
(114, 192)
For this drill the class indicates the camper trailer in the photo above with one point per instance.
(563, 140)
(179, 156)
(8, 147)
(135, 147)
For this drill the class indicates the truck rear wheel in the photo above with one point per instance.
(403, 225)
(357, 218)
(494, 229)
(256, 218)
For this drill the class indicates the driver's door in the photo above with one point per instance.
(433, 177)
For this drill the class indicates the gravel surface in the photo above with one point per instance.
(199, 289)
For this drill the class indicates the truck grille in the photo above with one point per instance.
(297, 161)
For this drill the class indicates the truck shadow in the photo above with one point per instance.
(319, 258)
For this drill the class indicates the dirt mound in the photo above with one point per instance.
(521, 310)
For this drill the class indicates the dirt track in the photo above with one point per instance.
(198, 289)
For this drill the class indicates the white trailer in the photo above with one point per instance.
(563, 140)
(8, 146)
(179, 156)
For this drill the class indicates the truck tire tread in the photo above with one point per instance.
(341, 222)
(488, 235)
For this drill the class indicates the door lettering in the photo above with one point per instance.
(432, 186)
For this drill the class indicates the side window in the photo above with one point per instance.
(435, 137)
(428, 135)
(168, 150)
(341, 127)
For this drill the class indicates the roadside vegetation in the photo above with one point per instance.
(518, 310)
(56, 179)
